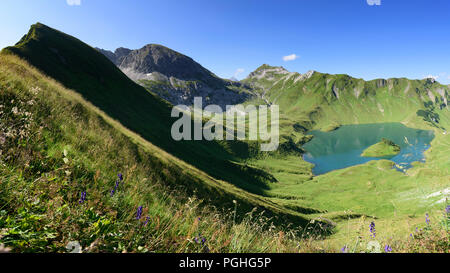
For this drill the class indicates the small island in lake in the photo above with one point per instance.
(381, 149)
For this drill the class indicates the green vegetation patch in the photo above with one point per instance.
(382, 149)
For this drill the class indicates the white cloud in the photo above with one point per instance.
(238, 71)
(73, 2)
(290, 57)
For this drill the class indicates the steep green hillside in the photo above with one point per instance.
(315, 98)
(83, 69)
(60, 157)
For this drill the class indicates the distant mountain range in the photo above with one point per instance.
(178, 79)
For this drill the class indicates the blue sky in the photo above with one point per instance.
(399, 38)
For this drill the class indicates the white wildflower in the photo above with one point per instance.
(35, 90)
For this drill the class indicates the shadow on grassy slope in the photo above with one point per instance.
(82, 68)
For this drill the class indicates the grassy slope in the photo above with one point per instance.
(88, 72)
(81, 68)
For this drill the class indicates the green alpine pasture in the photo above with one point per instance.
(373, 190)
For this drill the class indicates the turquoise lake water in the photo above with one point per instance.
(342, 148)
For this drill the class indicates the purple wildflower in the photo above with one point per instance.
(372, 229)
(427, 219)
(206, 249)
(83, 197)
(116, 187)
(139, 213)
(344, 249)
(146, 221)
(387, 249)
(447, 209)
(200, 239)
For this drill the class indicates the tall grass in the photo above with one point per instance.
(59, 149)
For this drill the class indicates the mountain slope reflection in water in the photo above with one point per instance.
(342, 148)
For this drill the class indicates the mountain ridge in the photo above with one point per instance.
(179, 88)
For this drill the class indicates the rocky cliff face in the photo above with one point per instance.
(176, 77)
(117, 56)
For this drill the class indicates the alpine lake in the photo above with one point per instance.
(343, 147)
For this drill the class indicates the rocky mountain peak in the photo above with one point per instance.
(267, 72)
(174, 76)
